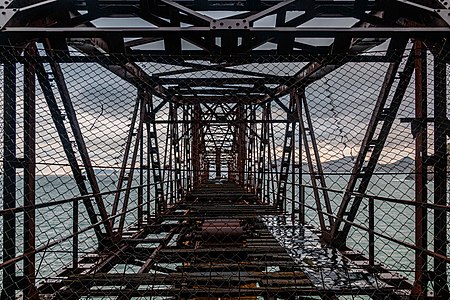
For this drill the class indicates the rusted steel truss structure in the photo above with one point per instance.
(220, 130)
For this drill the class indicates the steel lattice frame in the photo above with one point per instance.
(60, 25)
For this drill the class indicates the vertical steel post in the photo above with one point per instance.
(218, 162)
(419, 128)
(167, 161)
(273, 166)
(187, 149)
(148, 159)
(314, 164)
(126, 155)
(301, 198)
(196, 145)
(371, 232)
(177, 158)
(142, 101)
(154, 156)
(140, 199)
(75, 222)
(440, 177)
(29, 218)
(252, 151)
(241, 142)
(149, 167)
(293, 181)
(9, 178)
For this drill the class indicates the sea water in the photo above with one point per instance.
(55, 222)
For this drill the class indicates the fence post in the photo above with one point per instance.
(9, 177)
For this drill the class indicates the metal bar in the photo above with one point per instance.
(218, 163)
(315, 174)
(371, 214)
(166, 174)
(421, 232)
(148, 168)
(261, 187)
(320, 214)
(258, 56)
(160, 204)
(280, 201)
(196, 145)
(250, 185)
(242, 145)
(75, 228)
(301, 198)
(9, 178)
(140, 198)
(142, 103)
(272, 156)
(186, 151)
(126, 154)
(368, 32)
(223, 68)
(293, 176)
(29, 221)
(441, 289)
(177, 144)
(171, 163)
(253, 6)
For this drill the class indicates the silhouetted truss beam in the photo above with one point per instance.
(235, 5)
(300, 32)
(168, 16)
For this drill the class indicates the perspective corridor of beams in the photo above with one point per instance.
(218, 193)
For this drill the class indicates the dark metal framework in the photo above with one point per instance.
(218, 117)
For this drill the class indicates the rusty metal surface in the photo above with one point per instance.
(211, 177)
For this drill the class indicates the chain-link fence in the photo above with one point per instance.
(268, 177)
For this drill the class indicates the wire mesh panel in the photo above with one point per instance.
(224, 177)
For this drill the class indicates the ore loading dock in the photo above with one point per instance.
(194, 149)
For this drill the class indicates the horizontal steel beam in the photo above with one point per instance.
(257, 56)
(233, 5)
(320, 32)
